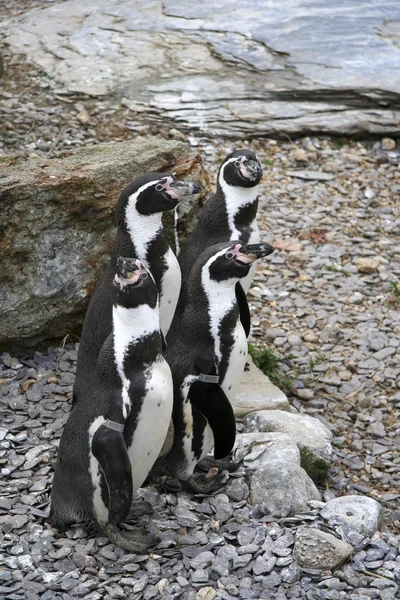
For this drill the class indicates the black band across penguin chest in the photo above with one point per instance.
(156, 257)
(244, 220)
(227, 340)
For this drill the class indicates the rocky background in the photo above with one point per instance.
(313, 511)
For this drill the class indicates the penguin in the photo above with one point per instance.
(230, 214)
(114, 436)
(207, 355)
(140, 233)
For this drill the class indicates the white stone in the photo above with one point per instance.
(256, 392)
(206, 593)
(354, 513)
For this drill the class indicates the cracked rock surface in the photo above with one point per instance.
(260, 69)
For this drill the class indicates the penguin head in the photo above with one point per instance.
(242, 168)
(232, 260)
(133, 284)
(153, 193)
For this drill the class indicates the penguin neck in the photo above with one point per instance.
(241, 204)
(141, 229)
(130, 326)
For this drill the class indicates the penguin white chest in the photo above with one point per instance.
(152, 422)
(236, 362)
(170, 289)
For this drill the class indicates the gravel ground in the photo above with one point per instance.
(327, 304)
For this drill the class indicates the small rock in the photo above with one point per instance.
(303, 393)
(206, 593)
(264, 564)
(202, 560)
(294, 340)
(300, 155)
(200, 576)
(368, 264)
(388, 144)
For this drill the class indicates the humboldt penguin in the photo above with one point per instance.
(140, 233)
(207, 354)
(230, 214)
(113, 437)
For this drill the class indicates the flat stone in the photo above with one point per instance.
(354, 513)
(279, 71)
(256, 392)
(315, 549)
(317, 175)
(60, 212)
(312, 437)
(258, 449)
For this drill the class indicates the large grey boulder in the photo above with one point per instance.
(278, 484)
(312, 437)
(264, 68)
(57, 229)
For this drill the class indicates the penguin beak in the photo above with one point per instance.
(254, 251)
(177, 189)
(253, 169)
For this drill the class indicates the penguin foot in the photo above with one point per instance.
(138, 542)
(206, 483)
(139, 508)
(225, 464)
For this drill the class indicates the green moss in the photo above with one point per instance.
(314, 466)
(268, 363)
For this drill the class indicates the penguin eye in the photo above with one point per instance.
(229, 255)
(237, 163)
(159, 187)
(144, 275)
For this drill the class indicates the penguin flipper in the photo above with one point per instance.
(211, 400)
(108, 447)
(243, 308)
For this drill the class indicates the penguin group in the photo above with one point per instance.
(163, 348)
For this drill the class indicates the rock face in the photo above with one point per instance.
(312, 437)
(256, 392)
(57, 229)
(277, 482)
(261, 69)
(315, 549)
